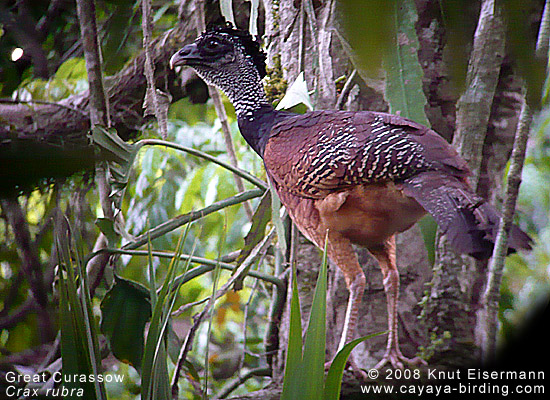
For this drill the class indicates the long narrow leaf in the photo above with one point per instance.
(79, 346)
(315, 340)
(91, 330)
(291, 381)
(256, 233)
(304, 375)
(151, 270)
(155, 380)
(403, 71)
(333, 381)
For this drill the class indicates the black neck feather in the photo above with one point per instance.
(256, 128)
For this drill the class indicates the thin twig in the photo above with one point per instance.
(243, 174)
(260, 371)
(149, 67)
(187, 345)
(44, 102)
(496, 266)
(208, 265)
(99, 115)
(174, 223)
(345, 90)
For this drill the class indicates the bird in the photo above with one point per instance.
(349, 177)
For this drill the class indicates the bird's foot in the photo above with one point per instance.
(398, 360)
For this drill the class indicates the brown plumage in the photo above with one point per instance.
(360, 176)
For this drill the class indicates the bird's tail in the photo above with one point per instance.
(469, 222)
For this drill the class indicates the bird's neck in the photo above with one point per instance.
(247, 97)
(256, 127)
(255, 114)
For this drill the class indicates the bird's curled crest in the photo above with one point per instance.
(251, 46)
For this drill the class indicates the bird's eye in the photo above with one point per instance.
(212, 44)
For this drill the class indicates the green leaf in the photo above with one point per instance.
(368, 27)
(291, 379)
(403, 71)
(125, 310)
(112, 146)
(121, 156)
(303, 377)
(191, 370)
(155, 382)
(333, 381)
(315, 340)
(428, 228)
(72, 69)
(519, 43)
(107, 227)
(79, 344)
(296, 94)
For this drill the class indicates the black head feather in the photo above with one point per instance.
(244, 38)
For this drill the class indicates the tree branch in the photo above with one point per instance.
(474, 106)
(98, 106)
(151, 95)
(99, 115)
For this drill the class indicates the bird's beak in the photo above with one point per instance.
(186, 56)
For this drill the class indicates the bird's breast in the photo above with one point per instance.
(369, 214)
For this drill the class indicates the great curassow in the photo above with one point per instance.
(360, 176)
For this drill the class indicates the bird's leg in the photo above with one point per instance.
(356, 288)
(341, 252)
(387, 260)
